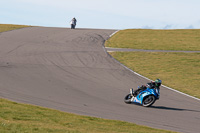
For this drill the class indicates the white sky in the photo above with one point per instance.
(103, 14)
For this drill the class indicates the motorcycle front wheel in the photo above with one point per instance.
(127, 99)
(148, 100)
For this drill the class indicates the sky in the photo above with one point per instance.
(103, 14)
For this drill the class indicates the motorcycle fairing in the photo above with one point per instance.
(139, 98)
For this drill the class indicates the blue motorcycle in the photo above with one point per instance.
(145, 97)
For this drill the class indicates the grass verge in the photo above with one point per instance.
(156, 39)
(177, 70)
(8, 27)
(18, 118)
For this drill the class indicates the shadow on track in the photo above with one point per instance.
(170, 108)
(167, 108)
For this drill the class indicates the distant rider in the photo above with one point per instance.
(152, 85)
(73, 23)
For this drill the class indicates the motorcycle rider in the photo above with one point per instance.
(153, 84)
(73, 23)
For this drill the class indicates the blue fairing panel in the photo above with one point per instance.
(145, 93)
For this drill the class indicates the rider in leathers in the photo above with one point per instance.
(153, 84)
(73, 23)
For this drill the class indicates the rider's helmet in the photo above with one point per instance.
(158, 82)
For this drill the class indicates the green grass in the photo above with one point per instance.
(8, 27)
(20, 118)
(156, 39)
(180, 71)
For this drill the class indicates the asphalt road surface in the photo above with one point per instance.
(70, 70)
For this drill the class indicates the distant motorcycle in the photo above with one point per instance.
(146, 97)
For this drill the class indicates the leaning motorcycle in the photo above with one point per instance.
(146, 97)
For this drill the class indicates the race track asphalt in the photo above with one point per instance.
(70, 70)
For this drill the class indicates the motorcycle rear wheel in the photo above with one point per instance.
(148, 100)
(127, 99)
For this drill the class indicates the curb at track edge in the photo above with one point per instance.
(144, 76)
